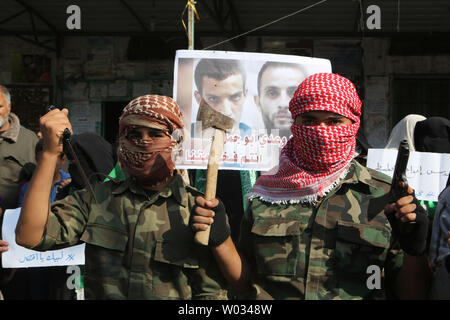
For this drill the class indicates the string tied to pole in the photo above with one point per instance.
(190, 4)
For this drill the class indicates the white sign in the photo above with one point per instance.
(252, 88)
(427, 172)
(84, 116)
(20, 257)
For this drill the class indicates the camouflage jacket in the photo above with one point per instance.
(322, 252)
(138, 246)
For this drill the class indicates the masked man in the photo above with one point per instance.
(138, 241)
(320, 225)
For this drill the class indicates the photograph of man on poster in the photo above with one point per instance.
(253, 89)
(222, 84)
(277, 82)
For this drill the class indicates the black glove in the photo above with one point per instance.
(413, 235)
(220, 229)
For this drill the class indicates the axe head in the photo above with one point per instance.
(212, 118)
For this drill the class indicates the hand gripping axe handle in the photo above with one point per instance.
(212, 118)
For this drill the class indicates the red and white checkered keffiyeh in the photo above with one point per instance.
(149, 161)
(316, 158)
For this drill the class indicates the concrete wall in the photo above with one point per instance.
(93, 70)
(379, 70)
(90, 70)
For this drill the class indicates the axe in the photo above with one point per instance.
(212, 118)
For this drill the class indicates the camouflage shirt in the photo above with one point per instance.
(300, 251)
(138, 245)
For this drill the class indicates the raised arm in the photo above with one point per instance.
(35, 206)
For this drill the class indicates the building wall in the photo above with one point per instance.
(23, 71)
(380, 68)
(92, 70)
(97, 70)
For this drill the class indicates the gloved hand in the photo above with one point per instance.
(411, 223)
(212, 212)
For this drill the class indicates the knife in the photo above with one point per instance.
(70, 153)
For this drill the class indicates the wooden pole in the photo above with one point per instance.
(191, 28)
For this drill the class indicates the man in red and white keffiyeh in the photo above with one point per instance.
(326, 111)
(278, 258)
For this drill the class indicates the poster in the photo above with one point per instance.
(254, 89)
(426, 172)
(85, 116)
(100, 59)
(20, 257)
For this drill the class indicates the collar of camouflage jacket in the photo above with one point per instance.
(359, 174)
(14, 127)
(175, 188)
(355, 174)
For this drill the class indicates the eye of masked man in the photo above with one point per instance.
(147, 128)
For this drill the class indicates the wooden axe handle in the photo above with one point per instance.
(202, 237)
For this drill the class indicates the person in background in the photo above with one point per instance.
(97, 158)
(60, 178)
(362, 147)
(17, 162)
(439, 253)
(17, 157)
(433, 135)
(4, 246)
(404, 130)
